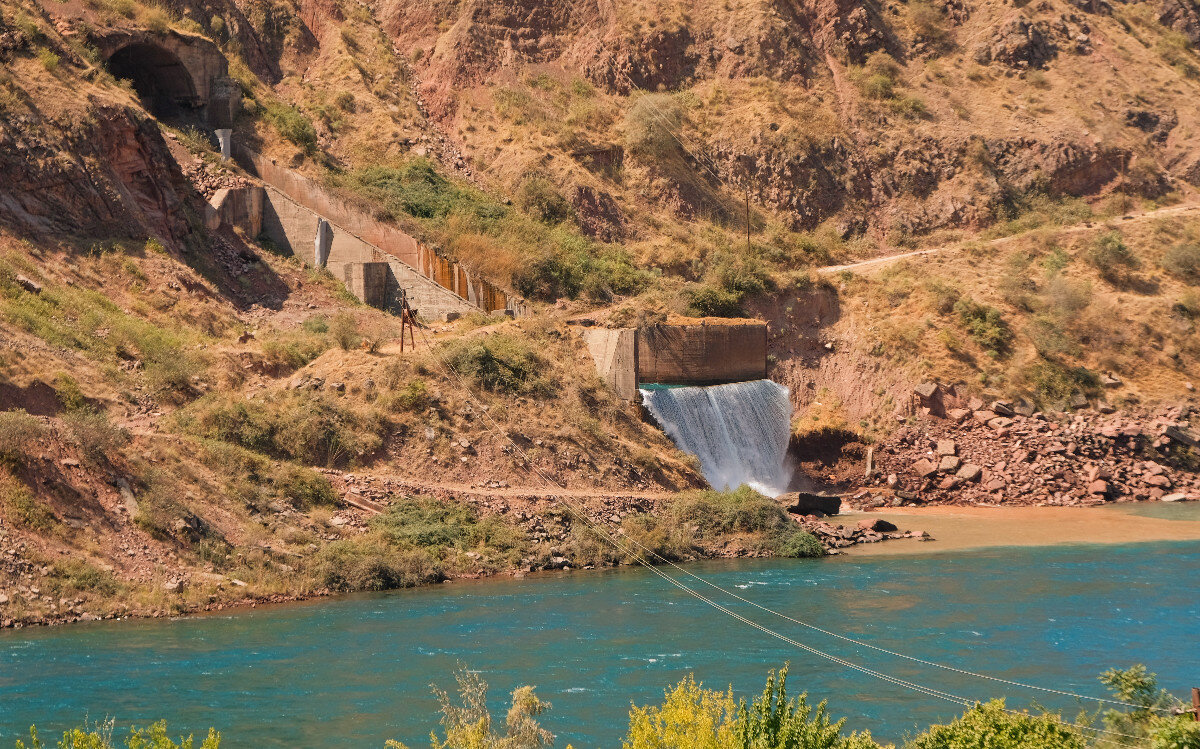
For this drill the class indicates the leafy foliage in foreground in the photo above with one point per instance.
(101, 737)
(992, 726)
(692, 717)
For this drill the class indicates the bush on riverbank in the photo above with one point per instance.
(418, 540)
(695, 522)
(712, 516)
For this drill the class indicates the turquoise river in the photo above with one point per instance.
(354, 671)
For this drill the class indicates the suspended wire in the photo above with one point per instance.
(666, 125)
(532, 468)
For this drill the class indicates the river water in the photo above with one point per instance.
(356, 670)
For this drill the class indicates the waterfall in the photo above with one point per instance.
(739, 431)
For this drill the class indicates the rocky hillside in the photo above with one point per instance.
(190, 418)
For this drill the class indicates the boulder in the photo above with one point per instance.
(958, 415)
(1002, 408)
(1098, 487)
(947, 447)
(949, 464)
(807, 503)
(970, 472)
(876, 525)
(925, 467)
(1176, 497)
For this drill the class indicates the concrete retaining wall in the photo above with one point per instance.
(615, 354)
(383, 236)
(236, 206)
(697, 354)
(293, 227)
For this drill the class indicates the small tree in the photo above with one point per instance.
(775, 721)
(691, 717)
(469, 725)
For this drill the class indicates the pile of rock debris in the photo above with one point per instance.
(1006, 453)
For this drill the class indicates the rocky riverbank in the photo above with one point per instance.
(1006, 453)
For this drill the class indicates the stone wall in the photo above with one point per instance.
(694, 354)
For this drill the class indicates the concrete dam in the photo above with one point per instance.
(704, 383)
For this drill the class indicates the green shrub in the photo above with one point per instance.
(95, 435)
(578, 267)
(539, 198)
(76, 576)
(985, 324)
(501, 363)
(314, 428)
(293, 125)
(878, 87)
(21, 507)
(293, 350)
(371, 564)
(1111, 257)
(18, 433)
(1183, 262)
(414, 396)
(800, 545)
(69, 394)
(100, 736)
(1175, 733)
(1055, 383)
(48, 59)
(651, 126)
(709, 516)
(344, 330)
(303, 488)
(425, 523)
(690, 717)
(730, 280)
(414, 189)
(775, 721)
(469, 725)
(991, 726)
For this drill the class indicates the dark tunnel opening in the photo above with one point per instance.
(161, 81)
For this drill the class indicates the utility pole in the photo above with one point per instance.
(747, 214)
(746, 171)
(406, 321)
(1196, 703)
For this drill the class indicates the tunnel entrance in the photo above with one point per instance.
(161, 81)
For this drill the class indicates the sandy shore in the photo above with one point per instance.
(957, 528)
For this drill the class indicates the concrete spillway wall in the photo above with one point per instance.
(697, 353)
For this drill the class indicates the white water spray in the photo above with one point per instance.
(739, 431)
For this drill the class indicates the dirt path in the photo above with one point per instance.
(1076, 229)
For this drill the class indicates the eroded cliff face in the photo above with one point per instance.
(108, 174)
(985, 122)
